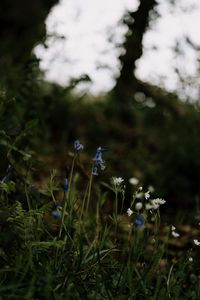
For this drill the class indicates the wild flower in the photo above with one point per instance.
(133, 181)
(117, 180)
(190, 259)
(158, 201)
(175, 234)
(95, 171)
(129, 212)
(56, 214)
(139, 221)
(196, 242)
(8, 171)
(78, 146)
(138, 206)
(99, 163)
(173, 227)
(66, 184)
(155, 203)
(57, 211)
(147, 195)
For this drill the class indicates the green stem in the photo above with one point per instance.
(67, 197)
(89, 191)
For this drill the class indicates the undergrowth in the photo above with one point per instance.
(63, 241)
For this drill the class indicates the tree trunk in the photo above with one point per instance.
(137, 23)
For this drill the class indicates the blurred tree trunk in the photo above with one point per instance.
(22, 27)
(137, 23)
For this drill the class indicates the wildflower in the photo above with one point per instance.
(159, 201)
(155, 203)
(173, 228)
(138, 206)
(95, 171)
(133, 181)
(66, 184)
(56, 214)
(190, 259)
(57, 211)
(175, 234)
(4, 179)
(117, 180)
(196, 242)
(150, 206)
(98, 160)
(8, 171)
(129, 212)
(147, 195)
(9, 168)
(139, 221)
(78, 146)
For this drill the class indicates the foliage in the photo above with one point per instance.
(85, 253)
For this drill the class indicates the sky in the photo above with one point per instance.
(82, 39)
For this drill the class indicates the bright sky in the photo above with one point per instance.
(83, 36)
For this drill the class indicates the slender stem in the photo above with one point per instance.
(67, 197)
(27, 197)
(84, 199)
(89, 191)
(116, 203)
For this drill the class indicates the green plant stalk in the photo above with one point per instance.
(84, 199)
(67, 197)
(89, 192)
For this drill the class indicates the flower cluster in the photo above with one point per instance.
(78, 146)
(174, 233)
(8, 171)
(117, 180)
(99, 163)
(155, 203)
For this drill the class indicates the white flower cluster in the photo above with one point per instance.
(117, 180)
(133, 181)
(196, 242)
(154, 203)
(174, 233)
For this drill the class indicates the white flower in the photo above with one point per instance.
(149, 206)
(175, 234)
(133, 181)
(147, 195)
(190, 259)
(151, 188)
(173, 228)
(155, 203)
(159, 201)
(138, 206)
(152, 205)
(196, 242)
(129, 212)
(117, 180)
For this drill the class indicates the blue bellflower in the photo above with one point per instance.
(57, 211)
(78, 146)
(99, 163)
(56, 214)
(66, 184)
(139, 221)
(8, 171)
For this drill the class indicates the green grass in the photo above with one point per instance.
(93, 250)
